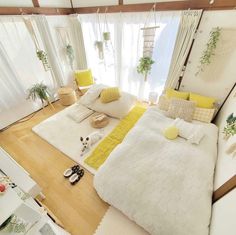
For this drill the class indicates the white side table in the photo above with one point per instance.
(18, 175)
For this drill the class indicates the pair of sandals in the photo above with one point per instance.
(74, 174)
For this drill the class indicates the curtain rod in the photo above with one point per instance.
(162, 6)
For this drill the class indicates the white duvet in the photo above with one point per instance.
(165, 186)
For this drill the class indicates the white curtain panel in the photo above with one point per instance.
(187, 28)
(20, 69)
(12, 91)
(122, 53)
(78, 42)
(52, 52)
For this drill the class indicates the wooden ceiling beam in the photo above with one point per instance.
(162, 6)
(216, 5)
(35, 10)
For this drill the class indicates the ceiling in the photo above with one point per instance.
(76, 3)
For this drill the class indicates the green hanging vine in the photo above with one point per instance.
(210, 49)
(230, 128)
(42, 55)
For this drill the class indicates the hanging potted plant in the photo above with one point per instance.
(145, 66)
(99, 47)
(42, 55)
(70, 54)
(40, 91)
(106, 36)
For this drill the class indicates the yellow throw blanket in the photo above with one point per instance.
(105, 147)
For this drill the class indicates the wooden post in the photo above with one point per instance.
(224, 189)
(35, 3)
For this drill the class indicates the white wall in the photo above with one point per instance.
(91, 3)
(224, 210)
(219, 77)
(223, 215)
(54, 3)
(226, 164)
(16, 3)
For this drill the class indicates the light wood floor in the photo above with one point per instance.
(78, 207)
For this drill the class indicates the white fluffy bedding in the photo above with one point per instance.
(165, 186)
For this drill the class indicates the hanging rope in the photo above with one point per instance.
(99, 34)
(30, 28)
(41, 54)
(150, 13)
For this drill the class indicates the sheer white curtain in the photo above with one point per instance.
(12, 91)
(78, 42)
(52, 52)
(120, 65)
(187, 28)
(20, 69)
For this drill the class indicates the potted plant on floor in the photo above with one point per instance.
(145, 66)
(40, 91)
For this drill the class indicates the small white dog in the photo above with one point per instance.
(90, 140)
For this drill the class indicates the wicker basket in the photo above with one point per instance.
(67, 96)
(99, 120)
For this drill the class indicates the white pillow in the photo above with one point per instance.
(190, 131)
(92, 94)
(118, 108)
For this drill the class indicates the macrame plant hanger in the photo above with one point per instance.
(145, 63)
(99, 42)
(68, 50)
(41, 54)
(108, 49)
(106, 33)
(149, 33)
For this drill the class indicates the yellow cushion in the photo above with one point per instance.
(110, 94)
(84, 78)
(202, 101)
(171, 132)
(171, 93)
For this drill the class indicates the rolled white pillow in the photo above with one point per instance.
(118, 108)
(92, 94)
(190, 131)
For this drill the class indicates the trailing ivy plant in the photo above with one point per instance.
(210, 49)
(42, 55)
(145, 66)
(70, 54)
(230, 128)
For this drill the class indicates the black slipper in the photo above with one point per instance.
(70, 171)
(76, 176)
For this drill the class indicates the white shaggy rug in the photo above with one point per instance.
(64, 134)
(116, 223)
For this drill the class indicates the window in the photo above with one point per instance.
(122, 53)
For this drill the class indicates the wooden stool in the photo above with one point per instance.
(67, 96)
